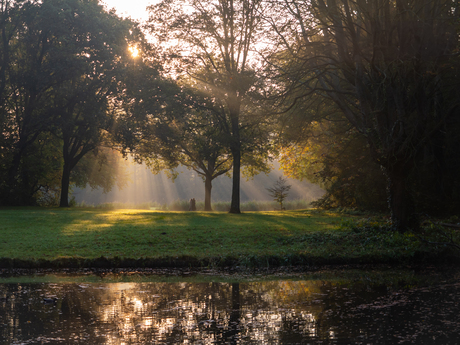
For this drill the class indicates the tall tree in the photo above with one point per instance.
(9, 23)
(92, 46)
(28, 76)
(215, 40)
(65, 63)
(192, 141)
(176, 128)
(335, 156)
(170, 124)
(390, 66)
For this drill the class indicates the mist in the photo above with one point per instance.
(144, 186)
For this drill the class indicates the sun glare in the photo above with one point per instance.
(134, 51)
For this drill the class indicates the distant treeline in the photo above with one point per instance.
(220, 206)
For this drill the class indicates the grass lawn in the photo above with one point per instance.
(83, 237)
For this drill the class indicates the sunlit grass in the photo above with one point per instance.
(53, 233)
(251, 238)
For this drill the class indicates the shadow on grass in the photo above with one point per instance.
(78, 238)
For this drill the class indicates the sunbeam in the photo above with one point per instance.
(146, 187)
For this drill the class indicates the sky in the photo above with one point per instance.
(130, 8)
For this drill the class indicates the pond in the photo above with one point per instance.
(330, 308)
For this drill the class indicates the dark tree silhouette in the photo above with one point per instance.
(390, 66)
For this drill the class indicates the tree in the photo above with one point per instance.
(10, 17)
(319, 144)
(184, 133)
(27, 77)
(64, 66)
(279, 191)
(215, 39)
(335, 156)
(196, 148)
(391, 67)
(93, 46)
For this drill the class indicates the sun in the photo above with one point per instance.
(135, 52)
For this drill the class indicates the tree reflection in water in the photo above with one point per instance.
(276, 312)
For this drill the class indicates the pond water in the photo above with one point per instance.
(319, 310)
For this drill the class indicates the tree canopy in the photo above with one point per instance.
(215, 45)
(391, 67)
(178, 128)
(63, 66)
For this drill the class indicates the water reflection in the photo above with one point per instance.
(275, 312)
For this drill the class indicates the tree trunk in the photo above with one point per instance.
(65, 183)
(235, 205)
(234, 107)
(18, 193)
(207, 193)
(400, 199)
(13, 189)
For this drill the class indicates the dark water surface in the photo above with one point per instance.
(286, 311)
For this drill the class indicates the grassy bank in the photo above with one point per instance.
(57, 238)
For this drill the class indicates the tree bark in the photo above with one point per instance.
(235, 205)
(207, 193)
(12, 178)
(234, 106)
(65, 184)
(400, 199)
(18, 193)
(70, 161)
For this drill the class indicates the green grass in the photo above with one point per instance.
(52, 237)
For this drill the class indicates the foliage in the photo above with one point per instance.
(213, 54)
(330, 153)
(62, 67)
(389, 67)
(279, 191)
(185, 132)
(26, 80)
(339, 160)
(100, 168)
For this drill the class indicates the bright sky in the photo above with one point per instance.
(129, 8)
